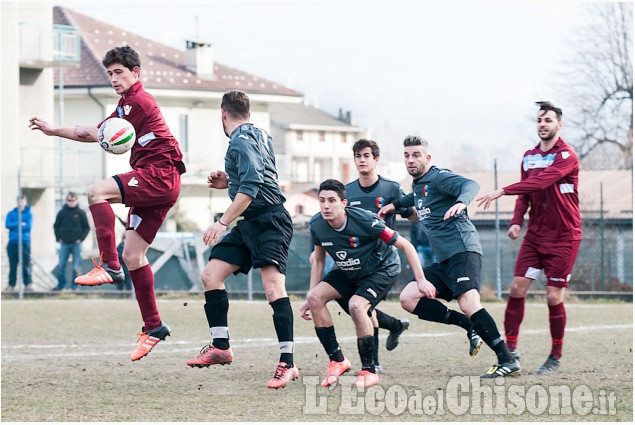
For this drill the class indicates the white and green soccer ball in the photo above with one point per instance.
(116, 135)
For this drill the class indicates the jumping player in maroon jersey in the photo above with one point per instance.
(549, 185)
(150, 190)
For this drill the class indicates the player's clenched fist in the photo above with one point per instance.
(217, 180)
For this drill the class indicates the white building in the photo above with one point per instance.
(188, 86)
(32, 46)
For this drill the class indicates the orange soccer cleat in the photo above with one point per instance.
(211, 355)
(334, 370)
(366, 379)
(147, 341)
(283, 375)
(100, 275)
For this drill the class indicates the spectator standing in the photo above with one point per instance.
(71, 228)
(12, 223)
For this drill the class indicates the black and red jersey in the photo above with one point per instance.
(549, 187)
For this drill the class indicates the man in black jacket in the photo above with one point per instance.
(71, 228)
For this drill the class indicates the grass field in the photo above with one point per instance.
(68, 360)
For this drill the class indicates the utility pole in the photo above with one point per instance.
(497, 233)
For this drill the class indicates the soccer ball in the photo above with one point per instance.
(116, 135)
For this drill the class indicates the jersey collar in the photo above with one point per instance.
(133, 89)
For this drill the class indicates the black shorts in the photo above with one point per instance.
(258, 241)
(374, 288)
(456, 275)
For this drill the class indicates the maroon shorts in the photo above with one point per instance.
(150, 193)
(556, 259)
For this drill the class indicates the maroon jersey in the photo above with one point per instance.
(549, 184)
(155, 144)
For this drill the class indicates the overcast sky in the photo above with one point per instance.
(464, 75)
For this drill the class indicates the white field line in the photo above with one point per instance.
(87, 350)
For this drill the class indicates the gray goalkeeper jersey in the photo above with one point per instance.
(372, 198)
(432, 195)
(250, 165)
(357, 248)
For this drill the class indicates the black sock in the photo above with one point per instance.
(365, 346)
(216, 307)
(283, 323)
(388, 322)
(375, 345)
(329, 342)
(435, 311)
(453, 317)
(485, 327)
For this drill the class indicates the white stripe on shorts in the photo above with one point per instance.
(533, 273)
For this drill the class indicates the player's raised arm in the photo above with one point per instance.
(486, 200)
(80, 133)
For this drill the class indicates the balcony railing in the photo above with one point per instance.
(42, 46)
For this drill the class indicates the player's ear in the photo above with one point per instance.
(136, 71)
(345, 202)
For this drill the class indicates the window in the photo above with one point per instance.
(345, 173)
(321, 136)
(299, 209)
(343, 135)
(299, 134)
(302, 171)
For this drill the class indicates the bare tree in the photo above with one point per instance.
(600, 86)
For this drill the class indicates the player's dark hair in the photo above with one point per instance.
(548, 106)
(71, 194)
(415, 141)
(364, 143)
(236, 104)
(125, 55)
(334, 185)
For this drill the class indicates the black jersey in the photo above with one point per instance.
(362, 247)
(432, 195)
(373, 197)
(250, 165)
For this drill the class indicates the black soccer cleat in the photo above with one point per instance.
(393, 337)
(550, 366)
(475, 342)
(502, 369)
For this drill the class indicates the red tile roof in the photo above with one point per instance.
(162, 67)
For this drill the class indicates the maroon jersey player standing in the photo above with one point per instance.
(549, 187)
(150, 190)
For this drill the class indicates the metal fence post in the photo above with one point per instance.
(602, 235)
(250, 285)
(497, 233)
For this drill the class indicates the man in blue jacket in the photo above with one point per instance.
(13, 224)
